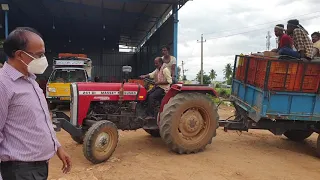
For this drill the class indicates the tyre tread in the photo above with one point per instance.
(168, 112)
(90, 134)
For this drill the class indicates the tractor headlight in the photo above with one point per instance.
(52, 90)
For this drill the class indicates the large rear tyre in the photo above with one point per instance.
(100, 141)
(188, 122)
(318, 146)
(297, 135)
(153, 132)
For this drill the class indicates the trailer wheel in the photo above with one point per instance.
(100, 141)
(188, 122)
(153, 132)
(297, 135)
(318, 145)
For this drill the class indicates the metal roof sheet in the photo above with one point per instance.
(124, 22)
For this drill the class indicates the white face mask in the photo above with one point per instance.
(37, 65)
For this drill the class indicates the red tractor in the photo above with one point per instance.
(187, 117)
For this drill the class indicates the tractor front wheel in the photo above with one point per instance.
(297, 135)
(188, 122)
(100, 141)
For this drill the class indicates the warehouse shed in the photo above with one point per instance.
(102, 29)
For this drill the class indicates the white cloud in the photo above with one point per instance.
(217, 19)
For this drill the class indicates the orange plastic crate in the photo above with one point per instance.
(240, 72)
(284, 67)
(312, 69)
(82, 55)
(281, 82)
(310, 84)
(260, 79)
(283, 76)
(252, 70)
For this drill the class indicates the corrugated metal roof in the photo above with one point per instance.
(119, 21)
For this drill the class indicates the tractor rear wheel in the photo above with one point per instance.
(297, 135)
(153, 132)
(188, 122)
(100, 141)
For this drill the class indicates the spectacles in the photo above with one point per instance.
(36, 55)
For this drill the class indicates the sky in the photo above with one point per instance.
(219, 21)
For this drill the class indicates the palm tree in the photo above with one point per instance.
(213, 74)
(228, 73)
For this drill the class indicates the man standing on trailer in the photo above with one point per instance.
(316, 44)
(170, 62)
(301, 40)
(27, 138)
(163, 79)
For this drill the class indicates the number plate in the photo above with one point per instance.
(65, 98)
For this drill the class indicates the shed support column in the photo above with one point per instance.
(6, 27)
(6, 24)
(175, 36)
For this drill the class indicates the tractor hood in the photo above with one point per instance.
(83, 94)
(111, 91)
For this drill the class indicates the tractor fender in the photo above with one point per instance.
(179, 88)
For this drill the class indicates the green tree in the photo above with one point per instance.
(213, 75)
(184, 78)
(179, 73)
(206, 78)
(227, 71)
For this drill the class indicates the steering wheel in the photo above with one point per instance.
(149, 81)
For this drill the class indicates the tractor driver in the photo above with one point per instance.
(163, 79)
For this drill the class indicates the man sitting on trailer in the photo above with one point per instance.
(316, 44)
(163, 79)
(285, 42)
(301, 40)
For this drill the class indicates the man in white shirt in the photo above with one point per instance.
(170, 61)
(163, 79)
(316, 44)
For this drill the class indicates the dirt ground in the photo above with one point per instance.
(255, 155)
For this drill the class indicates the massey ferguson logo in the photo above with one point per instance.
(112, 93)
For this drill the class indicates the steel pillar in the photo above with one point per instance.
(175, 36)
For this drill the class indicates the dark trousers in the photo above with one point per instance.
(155, 94)
(289, 52)
(24, 170)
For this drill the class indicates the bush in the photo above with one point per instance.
(225, 93)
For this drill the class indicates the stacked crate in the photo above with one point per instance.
(283, 75)
(310, 80)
